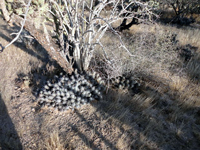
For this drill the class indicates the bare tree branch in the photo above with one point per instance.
(80, 26)
(22, 26)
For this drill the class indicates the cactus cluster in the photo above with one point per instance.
(71, 91)
(122, 82)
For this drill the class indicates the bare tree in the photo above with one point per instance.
(182, 8)
(80, 24)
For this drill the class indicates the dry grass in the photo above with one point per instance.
(178, 84)
(155, 56)
(164, 115)
(52, 142)
(193, 68)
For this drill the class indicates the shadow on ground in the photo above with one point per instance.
(152, 119)
(29, 45)
(9, 139)
(156, 118)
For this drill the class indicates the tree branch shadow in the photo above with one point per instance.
(30, 46)
(107, 142)
(162, 120)
(84, 138)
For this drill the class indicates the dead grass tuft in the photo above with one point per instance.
(178, 84)
(53, 142)
(193, 68)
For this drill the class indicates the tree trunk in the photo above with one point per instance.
(50, 47)
(4, 10)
